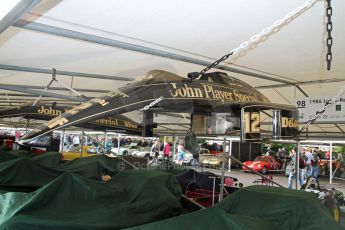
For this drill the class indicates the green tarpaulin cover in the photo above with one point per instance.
(29, 173)
(130, 198)
(208, 219)
(47, 159)
(256, 207)
(285, 208)
(12, 154)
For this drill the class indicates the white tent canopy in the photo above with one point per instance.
(203, 30)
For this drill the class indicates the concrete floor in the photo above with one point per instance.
(279, 177)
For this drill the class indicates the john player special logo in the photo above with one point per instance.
(49, 111)
(212, 92)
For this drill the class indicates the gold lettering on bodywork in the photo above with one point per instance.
(207, 89)
(117, 92)
(173, 91)
(289, 123)
(100, 101)
(48, 111)
(57, 121)
(76, 109)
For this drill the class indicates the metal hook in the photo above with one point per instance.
(54, 74)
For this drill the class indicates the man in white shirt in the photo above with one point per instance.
(309, 157)
(76, 140)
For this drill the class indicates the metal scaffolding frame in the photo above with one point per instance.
(16, 13)
(43, 93)
(63, 72)
(57, 88)
(52, 30)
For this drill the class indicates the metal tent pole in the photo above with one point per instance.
(118, 144)
(81, 144)
(213, 188)
(41, 93)
(105, 141)
(297, 165)
(52, 88)
(230, 154)
(45, 89)
(330, 162)
(62, 72)
(21, 8)
(174, 147)
(58, 31)
(222, 177)
(250, 150)
(62, 134)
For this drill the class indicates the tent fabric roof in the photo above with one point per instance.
(197, 29)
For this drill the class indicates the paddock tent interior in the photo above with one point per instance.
(119, 41)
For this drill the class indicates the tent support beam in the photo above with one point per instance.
(164, 127)
(43, 101)
(57, 88)
(162, 123)
(16, 13)
(62, 72)
(52, 30)
(43, 93)
(336, 125)
(174, 115)
(282, 96)
(300, 83)
(301, 90)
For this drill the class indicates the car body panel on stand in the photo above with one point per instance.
(41, 111)
(214, 92)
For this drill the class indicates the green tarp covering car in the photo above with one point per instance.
(72, 196)
(47, 159)
(130, 198)
(256, 207)
(31, 172)
(11, 155)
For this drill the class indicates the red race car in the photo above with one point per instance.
(263, 164)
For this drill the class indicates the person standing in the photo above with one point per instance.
(279, 155)
(155, 151)
(181, 151)
(195, 158)
(302, 167)
(314, 165)
(166, 150)
(76, 140)
(292, 172)
(308, 156)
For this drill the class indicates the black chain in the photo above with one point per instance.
(311, 121)
(329, 55)
(194, 75)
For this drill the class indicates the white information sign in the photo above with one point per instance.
(308, 106)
